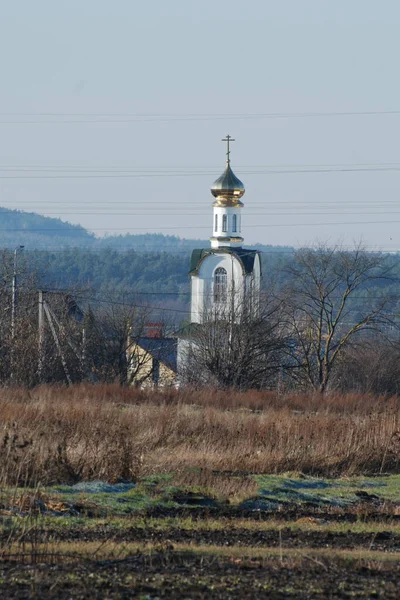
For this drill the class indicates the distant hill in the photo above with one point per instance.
(165, 243)
(37, 232)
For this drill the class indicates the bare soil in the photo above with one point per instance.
(383, 540)
(187, 576)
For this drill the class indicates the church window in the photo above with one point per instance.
(220, 284)
(234, 225)
(224, 223)
(216, 223)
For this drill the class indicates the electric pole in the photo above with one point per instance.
(41, 336)
(14, 299)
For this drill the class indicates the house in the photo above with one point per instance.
(152, 358)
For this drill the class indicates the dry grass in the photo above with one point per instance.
(224, 524)
(62, 552)
(253, 400)
(55, 434)
(221, 485)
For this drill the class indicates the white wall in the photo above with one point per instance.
(229, 211)
(202, 301)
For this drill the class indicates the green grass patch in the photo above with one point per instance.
(341, 492)
(162, 491)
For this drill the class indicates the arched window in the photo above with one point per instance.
(220, 284)
(234, 223)
(216, 223)
(224, 223)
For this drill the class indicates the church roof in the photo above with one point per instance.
(228, 184)
(246, 257)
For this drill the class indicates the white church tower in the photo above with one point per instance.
(225, 277)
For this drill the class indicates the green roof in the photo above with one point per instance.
(246, 257)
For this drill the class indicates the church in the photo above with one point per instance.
(225, 285)
(226, 277)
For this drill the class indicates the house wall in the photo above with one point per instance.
(143, 369)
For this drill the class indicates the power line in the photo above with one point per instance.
(103, 299)
(202, 169)
(149, 249)
(367, 296)
(127, 117)
(187, 252)
(114, 302)
(202, 214)
(199, 174)
(141, 247)
(176, 206)
(107, 229)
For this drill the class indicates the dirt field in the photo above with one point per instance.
(172, 574)
(61, 545)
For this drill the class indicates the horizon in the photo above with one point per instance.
(178, 238)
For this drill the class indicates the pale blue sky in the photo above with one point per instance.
(202, 58)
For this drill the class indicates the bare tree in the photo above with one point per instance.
(369, 366)
(235, 346)
(19, 356)
(77, 342)
(17, 330)
(322, 312)
(113, 334)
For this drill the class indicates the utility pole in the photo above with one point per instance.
(14, 299)
(46, 312)
(83, 353)
(14, 292)
(57, 342)
(41, 336)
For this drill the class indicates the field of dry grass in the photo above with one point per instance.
(63, 435)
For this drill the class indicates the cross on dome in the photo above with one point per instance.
(228, 186)
(228, 139)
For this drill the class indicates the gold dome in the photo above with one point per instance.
(228, 185)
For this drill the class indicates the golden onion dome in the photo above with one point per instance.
(228, 185)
